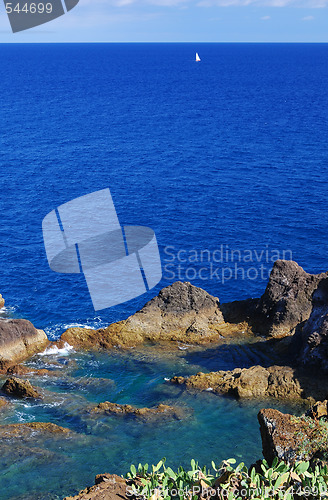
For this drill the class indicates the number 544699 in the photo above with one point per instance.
(33, 8)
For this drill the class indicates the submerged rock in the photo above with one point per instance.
(26, 430)
(258, 382)
(159, 411)
(287, 300)
(24, 370)
(107, 487)
(20, 388)
(19, 340)
(180, 312)
(291, 438)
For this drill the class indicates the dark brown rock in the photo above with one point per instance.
(282, 382)
(314, 343)
(291, 438)
(27, 430)
(318, 410)
(20, 388)
(3, 403)
(181, 312)
(19, 340)
(159, 411)
(239, 311)
(287, 300)
(180, 308)
(107, 487)
(185, 313)
(24, 370)
(252, 382)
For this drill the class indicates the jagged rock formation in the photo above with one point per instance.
(180, 312)
(2, 301)
(32, 429)
(20, 388)
(292, 438)
(258, 382)
(287, 300)
(107, 487)
(24, 370)
(159, 411)
(318, 410)
(19, 340)
(314, 335)
(183, 312)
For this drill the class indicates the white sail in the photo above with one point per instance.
(197, 57)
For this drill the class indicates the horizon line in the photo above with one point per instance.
(158, 42)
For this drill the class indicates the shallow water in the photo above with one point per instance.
(214, 427)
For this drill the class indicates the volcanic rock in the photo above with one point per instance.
(180, 312)
(20, 388)
(3, 403)
(159, 411)
(291, 438)
(314, 336)
(19, 340)
(26, 430)
(287, 300)
(318, 410)
(24, 370)
(258, 382)
(107, 487)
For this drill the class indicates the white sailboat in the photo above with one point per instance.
(197, 57)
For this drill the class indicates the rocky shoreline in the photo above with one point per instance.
(291, 316)
(282, 382)
(294, 306)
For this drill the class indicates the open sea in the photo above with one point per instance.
(226, 160)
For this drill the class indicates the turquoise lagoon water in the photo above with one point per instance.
(213, 428)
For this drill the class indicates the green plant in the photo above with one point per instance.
(278, 481)
(312, 436)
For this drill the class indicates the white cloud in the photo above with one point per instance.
(265, 18)
(307, 18)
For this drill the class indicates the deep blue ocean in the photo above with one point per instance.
(226, 160)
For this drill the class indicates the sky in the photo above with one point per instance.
(181, 21)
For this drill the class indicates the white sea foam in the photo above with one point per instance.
(56, 351)
(209, 389)
(184, 346)
(167, 379)
(7, 311)
(53, 332)
(24, 417)
(54, 404)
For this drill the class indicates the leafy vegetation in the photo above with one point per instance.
(279, 481)
(312, 436)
